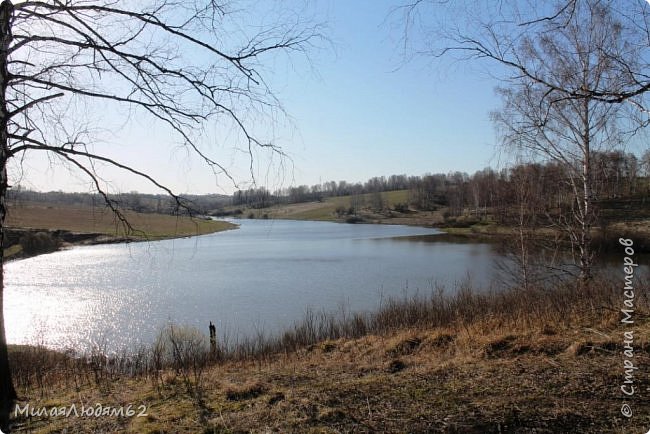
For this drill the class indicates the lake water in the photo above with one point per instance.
(262, 276)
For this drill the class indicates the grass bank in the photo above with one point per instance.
(65, 225)
(544, 361)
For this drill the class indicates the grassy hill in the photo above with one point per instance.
(338, 209)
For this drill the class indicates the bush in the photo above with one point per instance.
(186, 350)
(39, 242)
(401, 207)
(353, 219)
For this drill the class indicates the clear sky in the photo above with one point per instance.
(370, 114)
(357, 111)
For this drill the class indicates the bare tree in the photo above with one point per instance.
(529, 258)
(574, 74)
(184, 64)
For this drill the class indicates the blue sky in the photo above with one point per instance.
(358, 110)
(370, 114)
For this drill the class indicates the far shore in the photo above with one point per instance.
(34, 229)
(469, 226)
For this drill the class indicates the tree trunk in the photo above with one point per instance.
(523, 245)
(586, 220)
(7, 391)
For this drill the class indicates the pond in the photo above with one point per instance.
(262, 276)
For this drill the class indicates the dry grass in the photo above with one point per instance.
(101, 220)
(246, 391)
(545, 362)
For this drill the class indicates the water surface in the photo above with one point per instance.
(262, 276)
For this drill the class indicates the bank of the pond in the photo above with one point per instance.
(466, 227)
(32, 229)
(511, 361)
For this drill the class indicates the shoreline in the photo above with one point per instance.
(469, 363)
(63, 239)
(605, 242)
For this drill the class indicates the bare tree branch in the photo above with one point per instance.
(178, 63)
(573, 73)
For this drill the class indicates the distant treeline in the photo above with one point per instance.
(615, 174)
(544, 186)
(140, 202)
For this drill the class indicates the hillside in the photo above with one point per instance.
(341, 208)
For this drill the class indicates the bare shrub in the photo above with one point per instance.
(37, 368)
(186, 351)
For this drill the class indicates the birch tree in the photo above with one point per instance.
(574, 76)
